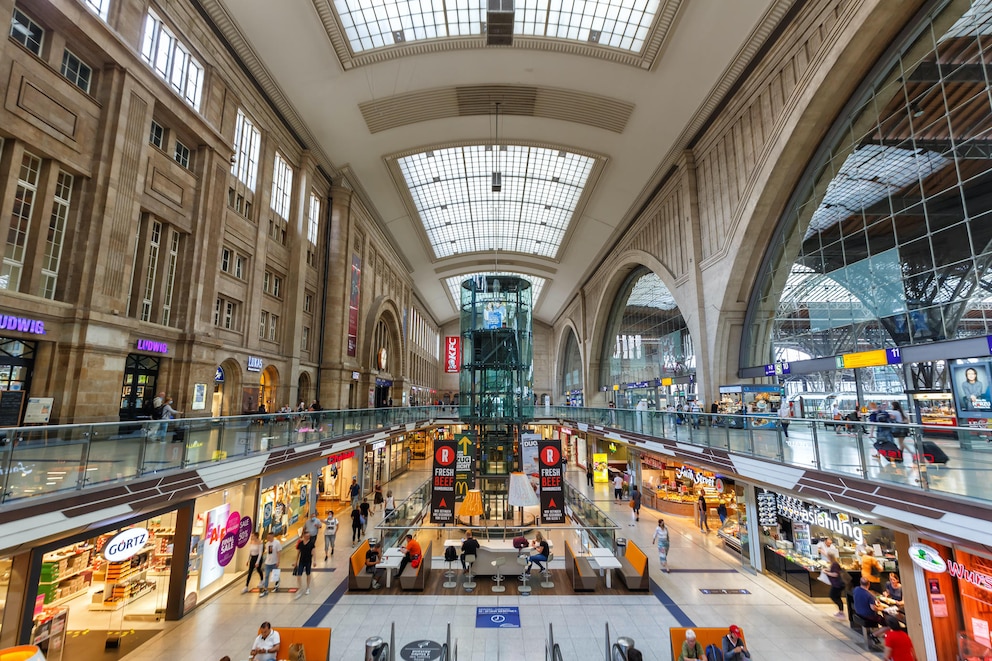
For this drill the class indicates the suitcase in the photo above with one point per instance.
(931, 453)
(888, 449)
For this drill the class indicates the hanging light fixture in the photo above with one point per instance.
(521, 493)
(497, 175)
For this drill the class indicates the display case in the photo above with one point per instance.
(936, 411)
(730, 533)
(48, 632)
(798, 572)
(124, 582)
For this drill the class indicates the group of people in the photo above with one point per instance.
(732, 646)
(412, 553)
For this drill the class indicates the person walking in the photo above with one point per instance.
(661, 538)
(389, 505)
(377, 497)
(254, 561)
(330, 533)
(313, 525)
(588, 473)
(304, 561)
(617, 487)
(836, 576)
(356, 525)
(364, 508)
(704, 524)
(635, 502)
(272, 550)
(899, 417)
(785, 416)
(354, 491)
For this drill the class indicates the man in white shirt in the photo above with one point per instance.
(617, 487)
(330, 532)
(266, 645)
(828, 552)
(272, 550)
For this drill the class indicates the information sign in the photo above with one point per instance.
(497, 617)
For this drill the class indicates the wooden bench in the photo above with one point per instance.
(579, 570)
(316, 642)
(415, 578)
(634, 568)
(358, 578)
(704, 636)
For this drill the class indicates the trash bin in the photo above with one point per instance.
(621, 546)
(373, 648)
(624, 643)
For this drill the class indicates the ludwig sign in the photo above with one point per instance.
(125, 544)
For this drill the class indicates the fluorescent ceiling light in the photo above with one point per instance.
(452, 191)
(618, 24)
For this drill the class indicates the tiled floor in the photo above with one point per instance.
(777, 623)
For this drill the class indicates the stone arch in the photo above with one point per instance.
(230, 400)
(386, 310)
(560, 343)
(304, 384)
(269, 389)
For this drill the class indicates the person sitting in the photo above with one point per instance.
(413, 553)
(734, 648)
(866, 607)
(541, 555)
(372, 559)
(691, 649)
(893, 589)
(470, 546)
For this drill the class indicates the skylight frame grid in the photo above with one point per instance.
(454, 283)
(451, 190)
(373, 24)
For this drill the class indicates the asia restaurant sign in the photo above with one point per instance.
(797, 510)
(452, 353)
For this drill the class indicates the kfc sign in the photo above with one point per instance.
(452, 353)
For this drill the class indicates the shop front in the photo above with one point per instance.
(134, 575)
(957, 590)
(287, 499)
(335, 478)
(610, 458)
(674, 488)
(791, 530)
(759, 401)
(385, 460)
(141, 378)
(17, 363)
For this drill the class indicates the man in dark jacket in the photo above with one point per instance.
(635, 500)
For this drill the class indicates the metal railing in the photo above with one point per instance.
(45, 460)
(835, 446)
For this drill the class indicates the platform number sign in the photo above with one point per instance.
(552, 492)
(443, 482)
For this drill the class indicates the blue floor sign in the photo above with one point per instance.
(497, 617)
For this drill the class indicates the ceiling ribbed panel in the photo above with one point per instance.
(471, 100)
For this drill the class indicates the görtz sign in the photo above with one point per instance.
(125, 544)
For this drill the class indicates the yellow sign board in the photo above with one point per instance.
(667, 381)
(865, 359)
(600, 468)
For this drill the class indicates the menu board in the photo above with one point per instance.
(11, 402)
(767, 509)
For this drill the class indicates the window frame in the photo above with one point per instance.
(186, 158)
(23, 40)
(81, 64)
(159, 140)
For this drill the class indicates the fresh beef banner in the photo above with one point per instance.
(465, 465)
(443, 482)
(552, 492)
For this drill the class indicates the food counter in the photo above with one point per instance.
(799, 572)
(679, 504)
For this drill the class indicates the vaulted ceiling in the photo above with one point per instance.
(581, 111)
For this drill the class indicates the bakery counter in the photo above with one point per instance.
(799, 573)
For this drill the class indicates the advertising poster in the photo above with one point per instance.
(443, 482)
(353, 302)
(464, 463)
(600, 467)
(970, 384)
(199, 396)
(452, 354)
(528, 458)
(213, 532)
(552, 486)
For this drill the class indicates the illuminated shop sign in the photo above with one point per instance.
(125, 544)
(840, 523)
(696, 477)
(452, 354)
(254, 364)
(340, 456)
(22, 324)
(928, 558)
(153, 346)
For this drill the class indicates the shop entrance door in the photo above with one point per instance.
(138, 387)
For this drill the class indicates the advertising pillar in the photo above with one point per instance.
(443, 482)
(552, 493)
(465, 465)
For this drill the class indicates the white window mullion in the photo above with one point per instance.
(151, 271)
(20, 222)
(56, 235)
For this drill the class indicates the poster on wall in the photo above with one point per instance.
(443, 482)
(464, 464)
(528, 458)
(353, 301)
(980, 629)
(213, 531)
(199, 396)
(452, 354)
(600, 467)
(580, 452)
(970, 383)
(552, 487)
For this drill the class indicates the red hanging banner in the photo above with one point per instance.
(452, 354)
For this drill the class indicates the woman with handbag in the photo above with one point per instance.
(899, 417)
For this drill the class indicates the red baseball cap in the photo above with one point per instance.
(736, 630)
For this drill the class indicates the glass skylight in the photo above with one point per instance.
(621, 24)
(651, 292)
(454, 283)
(452, 190)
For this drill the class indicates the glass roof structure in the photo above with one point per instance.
(620, 24)
(453, 194)
(651, 292)
(455, 282)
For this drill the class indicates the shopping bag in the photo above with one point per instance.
(275, 575)
(823, 578)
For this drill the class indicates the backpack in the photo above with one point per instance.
(883, 416)
(714, 653)
(450, 554)
(157, 412)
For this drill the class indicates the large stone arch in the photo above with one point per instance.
(561, 335)
(385, 309)
(828, 85)
(625, 263)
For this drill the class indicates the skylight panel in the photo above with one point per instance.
(455, 282)
(452, 192)
(371, 24)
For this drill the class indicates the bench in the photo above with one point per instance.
(704, 636)
(316, 642)
(415, 578)
(579, 570)
(634, 568)
(358, 578)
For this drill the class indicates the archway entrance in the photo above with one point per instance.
(269, 389)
